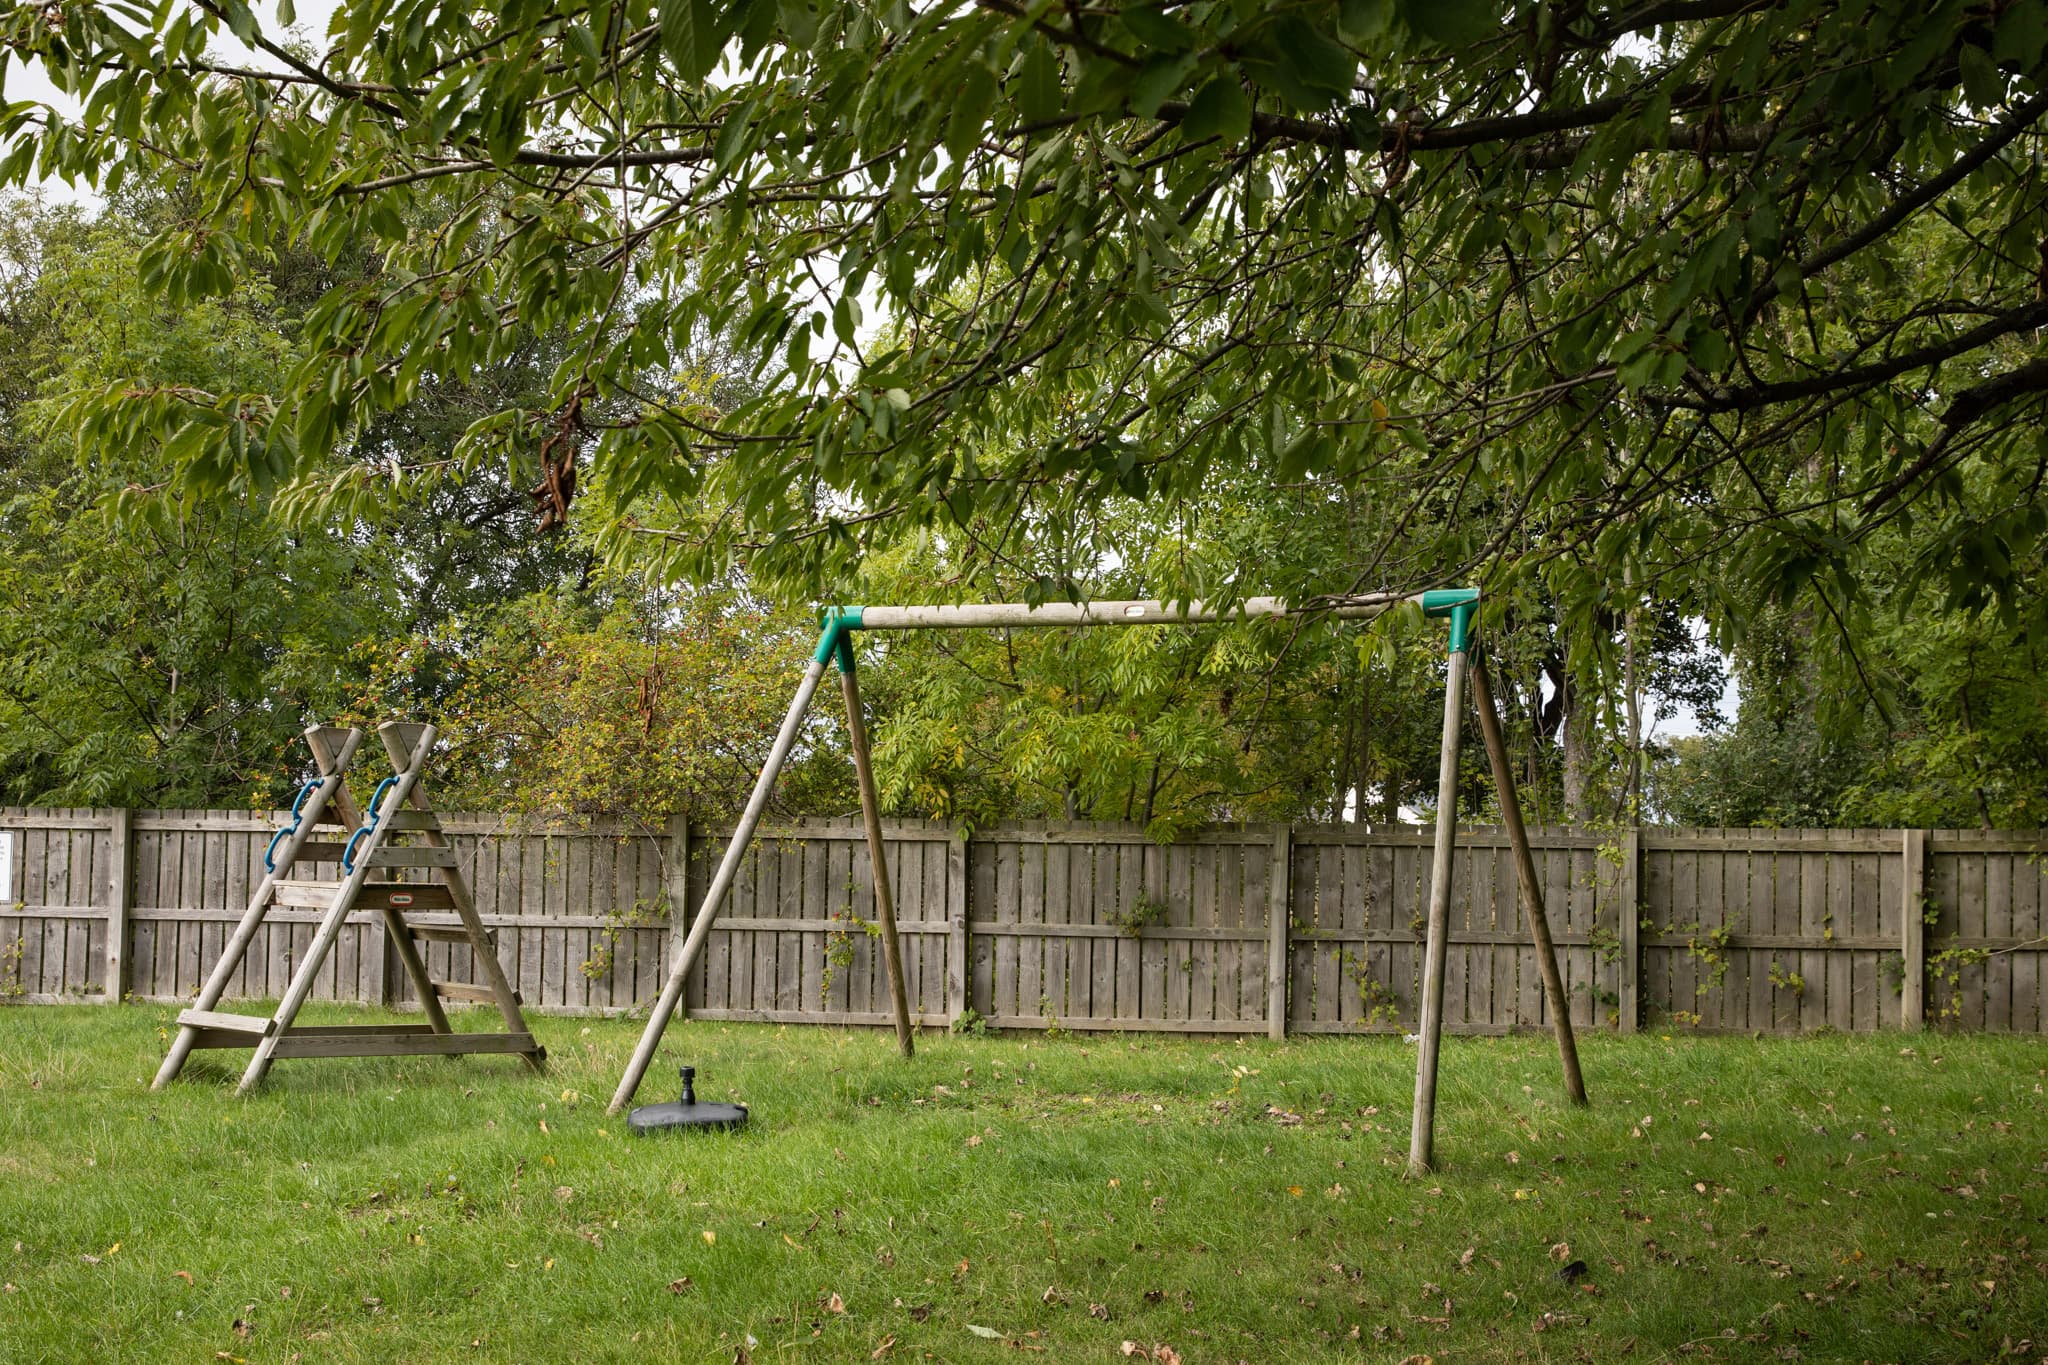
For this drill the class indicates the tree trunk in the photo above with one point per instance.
(1578, 745)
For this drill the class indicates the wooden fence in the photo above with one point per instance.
(1268, 929)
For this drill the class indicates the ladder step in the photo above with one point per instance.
(316, 895)
(326, 851)
(448, 933)
(413, 857)
(404, 896)
(414, 820)
(230, 1023)
(462, 990)
(315, 1042)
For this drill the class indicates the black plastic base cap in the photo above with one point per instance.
(669, 1117)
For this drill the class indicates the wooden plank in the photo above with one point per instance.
(1053, 952)
(1003, 1000)
(247, 1025)
(467, 991)
(327, 1043)
(1629, 914)
(2027, 923)
(959, 891)
(834, 1018)
(142, 967)
(1970, 917)
(1101, 904)
(1998, 923)
(1078, 906)
(120, 880)
(1279, 904)
(1238, 966)
(1838, 994)
(1703, 868)
(1158, 969)
(1096, 1024)
(1325, 916)
(1032, 997)
(1199, 1001)
(1913, 930)
(1130, 889)
(448, 932)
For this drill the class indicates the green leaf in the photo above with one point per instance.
(1156, 29)
(286, 13)
(732, 137)
(2022, 34)
(1453, 23)
(1302, 64)
(799, 23)
(1219, 109)
(1037, 86)
(1982, 81)
(1158, 79)
(691, 36)
(1361, 21)
(976, 99)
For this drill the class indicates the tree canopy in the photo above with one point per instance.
(1636, 312)
(1666, 292)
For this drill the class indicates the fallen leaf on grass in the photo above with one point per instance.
(1560, 1251)
(184, 1275)
(882, 1348)
(1052, 1298)
(974, 1139)
(680, 1285)
(835, 1304)
(1099, 1311)
(989, 1332)
(710, 1237)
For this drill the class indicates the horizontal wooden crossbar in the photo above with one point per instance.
(335, 1043)
(245, 1024)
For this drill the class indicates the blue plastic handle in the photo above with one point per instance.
(270, 853)
(298, 813)
(348, 855)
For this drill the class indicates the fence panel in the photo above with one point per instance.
(1092, 926)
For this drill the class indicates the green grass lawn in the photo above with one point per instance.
(1879, 1198)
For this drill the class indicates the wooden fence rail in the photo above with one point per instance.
(1237, 929)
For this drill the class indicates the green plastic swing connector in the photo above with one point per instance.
(836, 641)
(1456, 603)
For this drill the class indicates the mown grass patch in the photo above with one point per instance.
(1874, 1198)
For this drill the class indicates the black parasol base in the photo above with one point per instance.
(686, 1113)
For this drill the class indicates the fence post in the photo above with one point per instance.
(675, 887)
(120, 900)
(957, 905)
(1628, 896)
(1913, 931)
(1278, 897)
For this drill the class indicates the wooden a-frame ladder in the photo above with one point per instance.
(400, 807)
